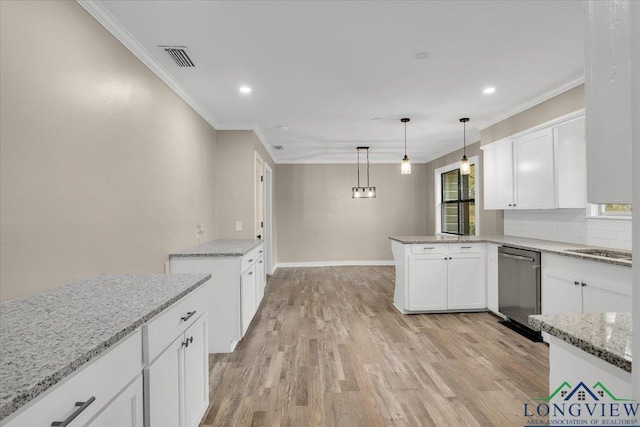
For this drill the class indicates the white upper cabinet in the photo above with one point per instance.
(498, 177)
(533, 171)
(608, 98)
(540, 168)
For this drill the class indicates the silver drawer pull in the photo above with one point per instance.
(82, 407)
(428, 247)
(188, 316)
(466, 247)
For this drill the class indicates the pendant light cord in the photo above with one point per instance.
(368, 168)
(464, 139)
(358, 167)
(405, 139)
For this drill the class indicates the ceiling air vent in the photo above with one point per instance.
(180, 55)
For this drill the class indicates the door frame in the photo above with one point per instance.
(268, 218)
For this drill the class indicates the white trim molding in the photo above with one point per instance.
(531, 103)
(332, 263)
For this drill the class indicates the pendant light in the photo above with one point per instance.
(465, 168)
(405, 166)
(367, 192)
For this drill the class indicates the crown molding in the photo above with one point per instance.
(108, 21)
(256, 129)
(531, 103)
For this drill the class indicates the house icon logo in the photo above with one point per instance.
(596, 404)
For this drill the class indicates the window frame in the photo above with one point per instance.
(596, 211)
(475, 160)
(460, 201)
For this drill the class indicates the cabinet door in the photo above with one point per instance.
(492, 277)
(260, 281)
(601, 297)
(466, 285)
(534, 171)
(248, 297)
(498, 176)
(561, 292)
(164, 387)
(125, 410)
(196, 372)
(571, 164)
(427, 282)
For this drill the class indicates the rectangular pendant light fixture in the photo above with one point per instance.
(367, 192)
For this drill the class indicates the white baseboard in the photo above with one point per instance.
(332, 263)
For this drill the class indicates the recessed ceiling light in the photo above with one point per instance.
(282, 127)
(376, 119)
(489, 90)
(421, 55)
(245, 89)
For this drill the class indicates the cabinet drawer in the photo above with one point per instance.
(251, 257)
(462, 248)
(160, 331)
(429, 248)
(101, 379)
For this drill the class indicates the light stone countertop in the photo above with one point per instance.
(549, 246)
(604, 335)
(49, 335)
(219, 248)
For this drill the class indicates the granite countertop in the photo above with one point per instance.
(604, 335)
(549, 246)
(49, 335)
(219, 248)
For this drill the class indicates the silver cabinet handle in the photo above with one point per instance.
(517, 257)
(426, 247)
(259, 251)
(250, 273)
(82, 407)
(260, 262)
(576, 283)
(251, 260)
(583, 284)
(465, 247)
(188, 316)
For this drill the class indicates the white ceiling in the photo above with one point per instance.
(324, 69)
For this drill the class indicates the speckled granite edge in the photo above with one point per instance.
(538, 323)
(514, 242)
(25, 396)
(218, 248)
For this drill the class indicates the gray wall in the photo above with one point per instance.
(104, 169)
(565, 103)
(319, 221)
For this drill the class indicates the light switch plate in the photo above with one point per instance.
(238, 225)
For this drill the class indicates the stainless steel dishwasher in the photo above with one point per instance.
(519, 287)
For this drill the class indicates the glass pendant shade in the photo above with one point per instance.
(465, 168)
(405, 166)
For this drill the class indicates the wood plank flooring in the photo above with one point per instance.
(327, 348)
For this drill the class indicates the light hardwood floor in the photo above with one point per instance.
(327, 348)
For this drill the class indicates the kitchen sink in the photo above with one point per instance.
(605, 253)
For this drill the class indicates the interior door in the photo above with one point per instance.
(259, 194)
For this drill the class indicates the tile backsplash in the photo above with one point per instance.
(568, 225)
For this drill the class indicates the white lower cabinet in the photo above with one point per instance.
(125, 410)
(571, 285)
(492, 277)
(247, 297)
(95, 386)
(176, 382)
(447, 277)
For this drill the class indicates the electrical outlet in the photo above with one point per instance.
(200, 229)
(238, 225)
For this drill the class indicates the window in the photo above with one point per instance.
(610, 210)
(458, 208)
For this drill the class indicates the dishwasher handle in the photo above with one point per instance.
(517, 257)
